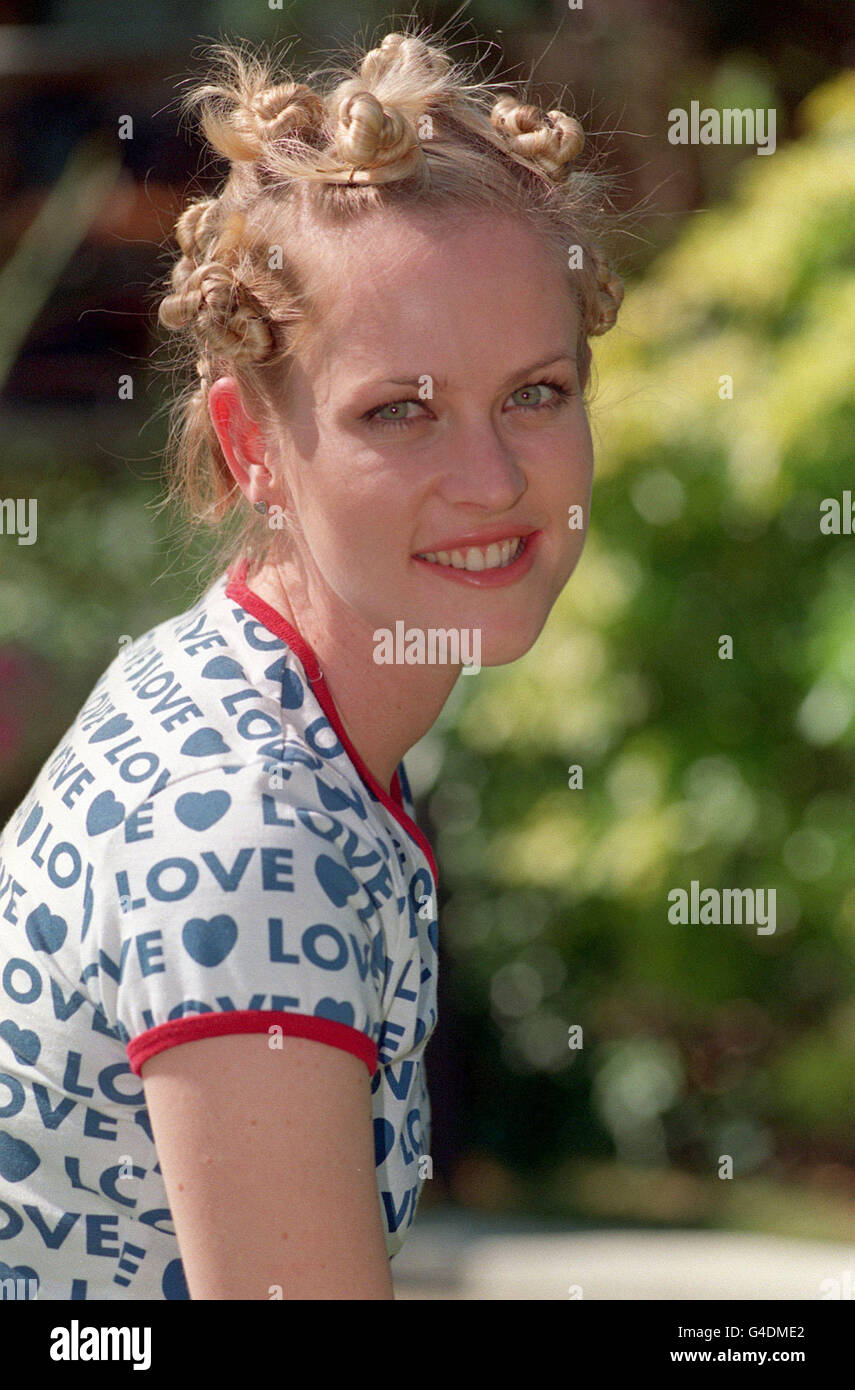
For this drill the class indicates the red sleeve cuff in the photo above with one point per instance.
(214, 1025)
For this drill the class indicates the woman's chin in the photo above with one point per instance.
(498, 648)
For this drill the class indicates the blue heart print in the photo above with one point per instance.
(337, 882)
(119, 724)
(332, 798)
(174, 1281)
(203, 743)
(25, 1044)
(384, 1138)
(201, 810)
(46, 930)
(209, 941)
(292, 686)
(17, 1158)
(105, 813)
(337, 1010)
(223, 668)
(30, 824)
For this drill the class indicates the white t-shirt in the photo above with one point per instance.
(203, 853)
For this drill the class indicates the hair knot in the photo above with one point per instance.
(552, 139)
(607, 298)
(226, 316)
(406, 52)
(376, 142)
(195, 228)
(289, 108)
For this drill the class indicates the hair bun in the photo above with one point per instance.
(224, 313)
(287, 109)
(403, 51)
(371, 137)
(609, 295)
(552, 140)
(195, 230)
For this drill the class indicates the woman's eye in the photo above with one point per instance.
(559, 394)
(399, 417)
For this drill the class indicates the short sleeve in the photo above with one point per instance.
(239, 901)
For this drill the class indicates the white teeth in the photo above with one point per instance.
(491, 557)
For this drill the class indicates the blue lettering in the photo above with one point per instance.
(53, 1239)
(150, 952)
(100, 1229)
(312, 934)
(228, 879)
(14, 1225)
(17, 1092)
(51, 1119)
(321, 728)
(393, 1217)
(26, 996)
(72, 1168)
(110, 1176)
(277, 869)
(151, 1218)
(166, 895)
(277, 953)
(252, 717)
(95, 1126)
(72, 1076)
(136, 822)
(269, 812)
(107, 1079)
(189, 1006)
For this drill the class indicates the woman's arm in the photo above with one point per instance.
(267, 1156)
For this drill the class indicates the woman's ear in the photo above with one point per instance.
(241, 439)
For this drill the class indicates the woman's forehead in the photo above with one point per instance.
(383, 285)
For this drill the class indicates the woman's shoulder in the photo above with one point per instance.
(209, 691)
(201, 733)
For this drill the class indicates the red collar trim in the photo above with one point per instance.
(253, 603)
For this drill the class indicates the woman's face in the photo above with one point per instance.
(441, 410)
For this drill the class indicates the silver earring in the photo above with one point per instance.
(260, 506)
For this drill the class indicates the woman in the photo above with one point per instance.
(220, 919)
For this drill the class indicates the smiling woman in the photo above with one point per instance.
(225, 915)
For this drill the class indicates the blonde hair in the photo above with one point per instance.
(407, 129)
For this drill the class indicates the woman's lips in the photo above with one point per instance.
(493, 578)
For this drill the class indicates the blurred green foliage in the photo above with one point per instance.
(699, 1040)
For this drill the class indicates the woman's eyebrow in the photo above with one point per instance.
(523, 371)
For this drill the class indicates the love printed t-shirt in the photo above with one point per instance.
(203, 853)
